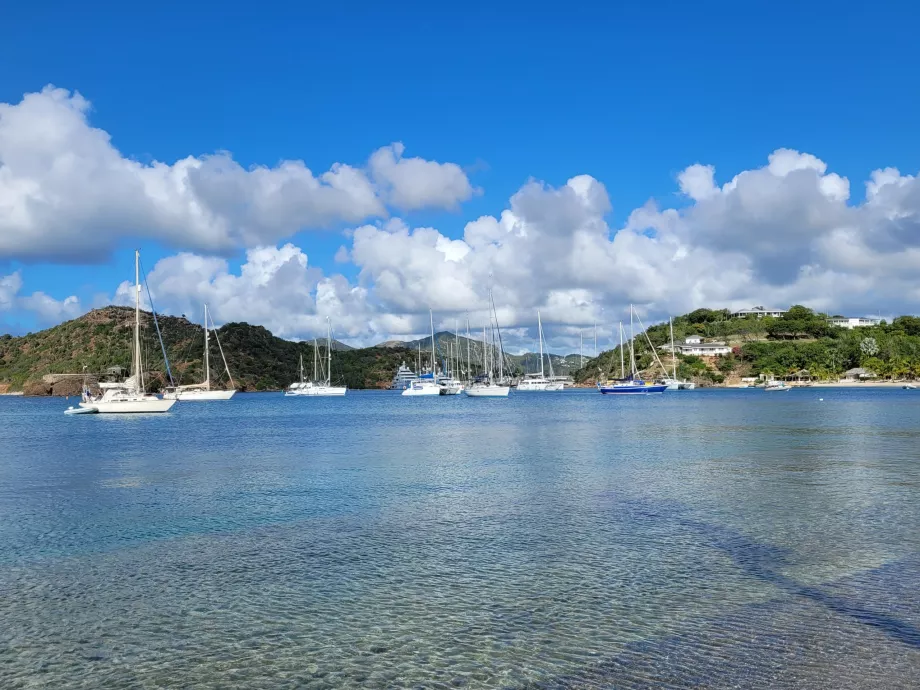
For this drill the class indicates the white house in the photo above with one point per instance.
(853, 321)
(759, 312)
(694, 346)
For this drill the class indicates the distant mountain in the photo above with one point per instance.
(101, 339)
(445, 342)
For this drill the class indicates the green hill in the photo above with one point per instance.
(800, 341)
(102, 338)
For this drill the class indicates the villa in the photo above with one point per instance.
(853, 321)
(694, 345)
(759, 312)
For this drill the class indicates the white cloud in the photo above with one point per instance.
(413, 183)
(779, 234)
(47, 309)
(67, 194)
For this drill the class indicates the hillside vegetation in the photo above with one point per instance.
(800, 341)
(257, 359)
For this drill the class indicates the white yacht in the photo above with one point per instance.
(539, 382)
(203, 391)
(403, 378)
(426, 384)
(486, 386)
(130, 395)
(322, 383)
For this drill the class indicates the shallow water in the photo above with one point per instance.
(709, 539)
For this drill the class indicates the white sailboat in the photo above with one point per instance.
(203, 391)
(426, 384)
(322, 384)
(672, 382)
(129, 396)
(539, 382)
(487, 386)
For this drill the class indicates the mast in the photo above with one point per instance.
(622, 357)
(457, 345)
(632, 345)
(501, 348)
(433, 355)
(301, 368)
(673, 359)
(469, 364)
(540, 338)
(223, 356)
(207, 361)
(485, 370)
(315, 360)
(329, 351)
(138, 362)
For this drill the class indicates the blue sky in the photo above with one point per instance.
(628, 93)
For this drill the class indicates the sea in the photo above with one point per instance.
(696, 539)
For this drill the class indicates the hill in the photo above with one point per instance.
(801, 341)
(527, 362)
(101, 339)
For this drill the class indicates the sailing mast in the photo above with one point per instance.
(434, 366)
(138, 362)
(315, 361)
(622, 358)
(632, 346)
(469, 364)
(540, 338)
(673, 358)
(207, 361)
(329, 349)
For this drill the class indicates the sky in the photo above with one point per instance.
(368, 162)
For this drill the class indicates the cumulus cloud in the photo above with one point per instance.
(67, 194)
(46, 309)
(413, 183)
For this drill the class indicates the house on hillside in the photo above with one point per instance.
(694, 345)
(859, 374)
(758, 312)
(853, 321)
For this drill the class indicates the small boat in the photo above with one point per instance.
(426, 384)
(129, 397)
(448, 385)
(539, 382)
(81, 410)
(632, 384)
(777, 386)
(203, 391)
(909, 387)
(486, 386)
(321, 386)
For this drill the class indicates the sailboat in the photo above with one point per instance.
(633, 384)
(671, 382)
(321, 385)
(449, 384)
(203, 391)
(427, 383)
(486, 386)
(130, 395)
(539, 382)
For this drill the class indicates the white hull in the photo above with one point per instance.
(422, 389)
(316, 391)
(141, 405)
(195, 395)
(532, 386)
(488, 391)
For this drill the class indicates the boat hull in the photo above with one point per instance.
(488, 391)
(633, 390)
(317, 392)
(142, 406)
(199, 395)
(421, 389)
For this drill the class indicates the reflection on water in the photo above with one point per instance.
(702, 539)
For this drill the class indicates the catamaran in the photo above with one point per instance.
(486, 386)
(130, 395)
(321, 385)
(539, 382)
(426, 384)
(633, 384)
(203, 390)
(672, 383)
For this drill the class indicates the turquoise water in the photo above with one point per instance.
(709, 539)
